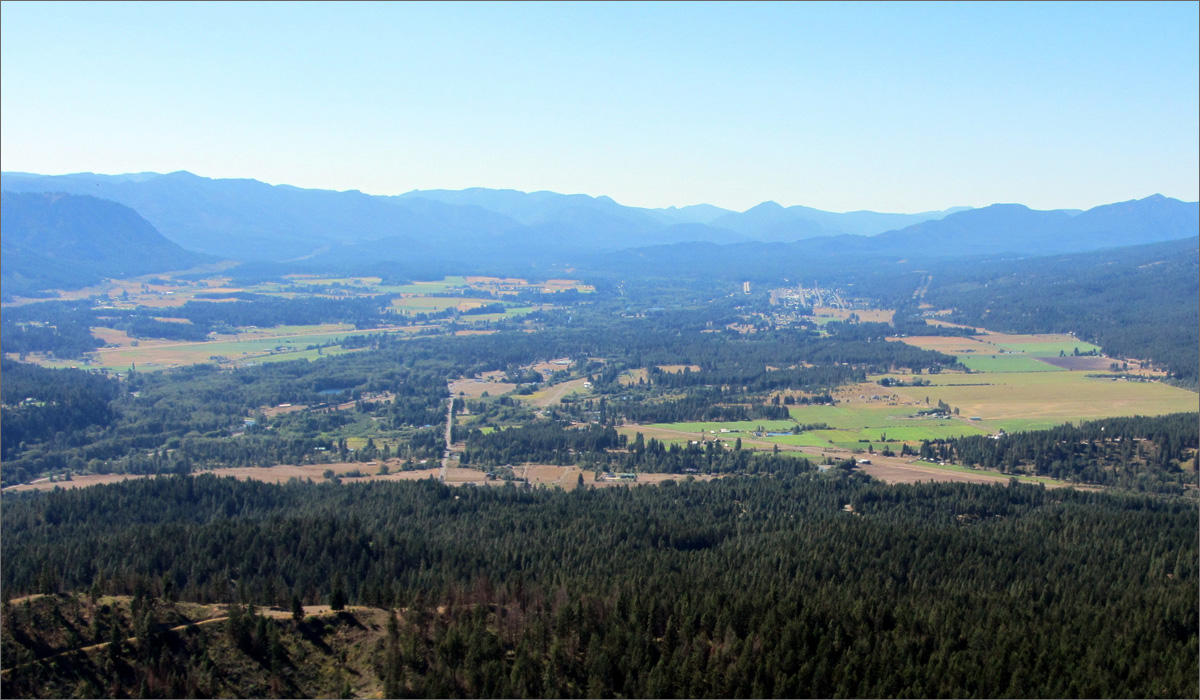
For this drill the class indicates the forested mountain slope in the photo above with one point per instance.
(59, 240)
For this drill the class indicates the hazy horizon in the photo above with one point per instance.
(903, 108)
(594, 195)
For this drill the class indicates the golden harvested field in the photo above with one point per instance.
(550, 367)
(289, 342)
(412, 303)
(1028, 338)
(949, 344)
(76, 482)
(555, 393)
(112, 336)
(474, 388)
(537, 474)
(1014, 399)
(898, 470)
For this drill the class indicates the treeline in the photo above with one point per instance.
(933, 590)
(598, 448)
(1156, 453)
(699, 405)
(758, 378)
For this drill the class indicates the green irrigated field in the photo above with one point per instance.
(745, 426)
(1006, 363)
(511, 312)
(850, 424)
(988, 400)
(1051, 348)
(431, 287)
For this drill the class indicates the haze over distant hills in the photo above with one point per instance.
(251, 220)
(72, 240)
(497, 230)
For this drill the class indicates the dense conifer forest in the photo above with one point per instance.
(1139, 452)
(925, 590)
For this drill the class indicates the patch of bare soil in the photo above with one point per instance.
(1085, 362)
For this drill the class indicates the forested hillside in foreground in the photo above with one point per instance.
(923, 590)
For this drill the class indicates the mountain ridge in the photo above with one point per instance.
(247, 219)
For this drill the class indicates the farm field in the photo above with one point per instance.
(850, 425)
(258, 346)
(1028, 400)
(908, 471)
(253, 345)
(1006, 363)
(474, 388)
(425, 305)
(555, 393)
(1009, 389)
(545, 475)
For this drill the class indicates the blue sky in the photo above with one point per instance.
(891, 107)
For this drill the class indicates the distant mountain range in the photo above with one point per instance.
(61, 240)
(251, 220)
(493, 230)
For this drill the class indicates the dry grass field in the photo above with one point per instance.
(554, 394)
(547, 475)
(475, 388)
(950, 345)
(1013, 400)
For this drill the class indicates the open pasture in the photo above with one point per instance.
(475, 388)
(425, 305)
(1038, 345)
(509, 312)
(950, 345)
(850, 424)
(1007, 363)
(896, 470)
(283, 342)
(1024, 400)
(543, 475)
(553, 394)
